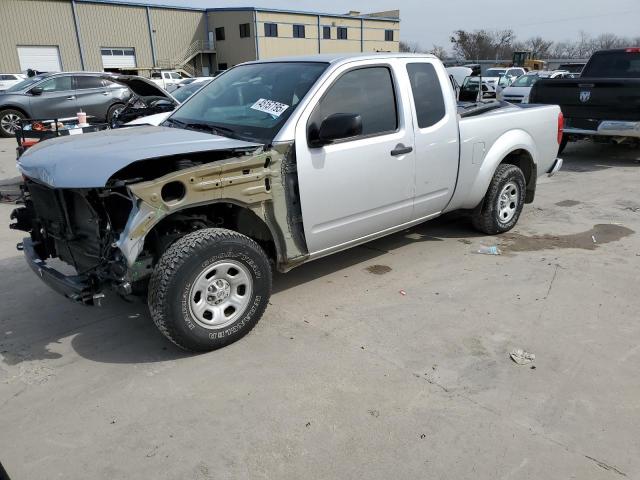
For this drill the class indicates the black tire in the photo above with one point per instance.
(116, 107)
(7, 119)
(563, 144)
(488, 216)
(174, 280)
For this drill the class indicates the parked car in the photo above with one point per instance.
(272, 164)
(187, 81)
(502, 77)
(61, 95)
(573, 67)
(10, 79)
(166, 78)
(147, 99)
(469, 89)
(519, 90)
(602, 104)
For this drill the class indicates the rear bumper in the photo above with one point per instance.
(555, 168)
(76, 288)
(609, 128)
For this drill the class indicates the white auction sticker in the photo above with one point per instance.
(269, 106)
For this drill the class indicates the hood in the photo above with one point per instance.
(142, 87)
(89, 160)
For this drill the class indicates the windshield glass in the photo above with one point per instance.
(250, 101)
(495, 72)
(185, 92)
(525, 81)
(25, 83)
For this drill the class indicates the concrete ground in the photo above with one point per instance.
(345, 377)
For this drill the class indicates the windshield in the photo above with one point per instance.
(185, 92)
(525, 81)
(25, 83)
(250, 101)
(495, 72)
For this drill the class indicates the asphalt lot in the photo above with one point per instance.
(345, 377)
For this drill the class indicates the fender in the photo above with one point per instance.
(508, 143)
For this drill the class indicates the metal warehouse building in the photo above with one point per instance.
(110, 35)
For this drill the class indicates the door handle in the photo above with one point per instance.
(105, 93)
(401, 150)
(71, 97)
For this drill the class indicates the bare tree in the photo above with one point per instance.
(482, 44)
(410, 47)
(439, 52)
(539, 47)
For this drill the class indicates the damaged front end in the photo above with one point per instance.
(113, 235)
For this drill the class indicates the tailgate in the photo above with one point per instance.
(591, 98)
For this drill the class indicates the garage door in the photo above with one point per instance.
(118, 57)
(42, 59)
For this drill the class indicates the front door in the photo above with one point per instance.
(362, 185)
(57, 100)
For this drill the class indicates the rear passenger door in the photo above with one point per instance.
(57, 100)
(436, 137)
(362, 185)
(94, 97)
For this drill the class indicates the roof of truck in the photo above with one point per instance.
(339, 57)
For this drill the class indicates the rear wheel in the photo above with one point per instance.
(209, 289)
(113, 112)
(9, 120)
(500, 210)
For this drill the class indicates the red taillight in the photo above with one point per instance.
(633, 50)
(560, 127)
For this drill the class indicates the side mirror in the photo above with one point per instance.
(36, 91)
(335, 127)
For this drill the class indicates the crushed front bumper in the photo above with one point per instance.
(608, 128)
(74, 287)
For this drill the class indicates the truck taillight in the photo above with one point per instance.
(633, 50)
(560, 127)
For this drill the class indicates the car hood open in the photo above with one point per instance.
(142, 87)
(89, 160)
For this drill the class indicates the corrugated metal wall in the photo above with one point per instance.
(37, 22)
(113, 26)
(176, 30)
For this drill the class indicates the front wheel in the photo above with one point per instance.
(113, 113)
(209, 289)
(500, 210)
(9, 122)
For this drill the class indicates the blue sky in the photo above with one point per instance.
(430, 22)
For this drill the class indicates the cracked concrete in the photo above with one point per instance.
(345, 377)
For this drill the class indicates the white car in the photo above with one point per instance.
(8, 80)
(166, 78)
(519, 90)
(502, 77)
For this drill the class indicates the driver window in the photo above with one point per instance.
(57, 84)
(367, 92)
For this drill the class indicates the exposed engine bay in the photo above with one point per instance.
(113, 236)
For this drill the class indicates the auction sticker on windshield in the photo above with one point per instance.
(270, 106)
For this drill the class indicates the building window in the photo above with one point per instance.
(222, 66)
(245, 30)
(270, 29)
(342, 33)
(298, 31)
(326, 33)
(220, 33)
(388, 35)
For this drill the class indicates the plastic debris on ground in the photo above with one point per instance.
(522, 357)
(493, 250)
(402, 292)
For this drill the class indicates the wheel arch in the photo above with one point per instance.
(515, 147)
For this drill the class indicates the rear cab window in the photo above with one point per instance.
(352, 93)
(427, 94)
(614, 64)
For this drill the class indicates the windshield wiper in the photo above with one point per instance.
(214, 129)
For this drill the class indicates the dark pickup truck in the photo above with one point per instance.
(603, 104)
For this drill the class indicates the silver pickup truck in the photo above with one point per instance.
(271, 165)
